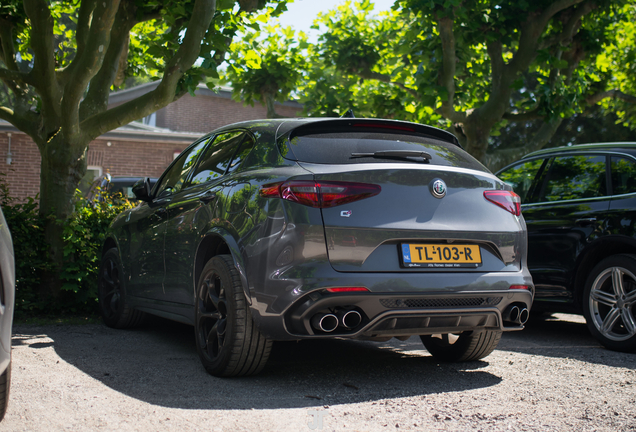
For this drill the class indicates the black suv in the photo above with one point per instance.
(579, 204)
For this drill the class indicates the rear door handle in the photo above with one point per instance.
(209, 196)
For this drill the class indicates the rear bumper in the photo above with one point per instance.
(399, 314)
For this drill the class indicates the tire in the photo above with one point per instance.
(467, 346)
(5, 385)
(609, 302)
(111, 292)
(228, 341)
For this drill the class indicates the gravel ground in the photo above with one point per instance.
(551, 377)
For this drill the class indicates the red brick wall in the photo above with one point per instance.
(206, 113)
(23, 175)
(132, 158)
(145, 158)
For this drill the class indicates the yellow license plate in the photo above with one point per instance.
(441, 256)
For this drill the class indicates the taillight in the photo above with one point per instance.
(524, 287)
(347, 289)
(507, 200)
(320, 194)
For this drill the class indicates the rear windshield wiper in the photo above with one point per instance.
(400, 154)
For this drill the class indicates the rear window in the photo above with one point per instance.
(337, 148)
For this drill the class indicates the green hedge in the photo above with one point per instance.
(84, 234)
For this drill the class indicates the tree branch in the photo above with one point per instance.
(500, 158)
(27, 122)
(96, 99)
(531, 31)
(84, 18)
(89, 63)
(570, 27)
(495, 52)
(43, 72)
(615, 93)
(7, 49)
(447, 74)
(165, 92)
(8, 76)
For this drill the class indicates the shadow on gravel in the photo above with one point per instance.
(561, 336)
(158, 364)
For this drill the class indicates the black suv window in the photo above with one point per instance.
(521, 177)
(217, 156)
(623, 175)
(173, 179)
(575, 177)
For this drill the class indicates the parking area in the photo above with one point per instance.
(552, 376)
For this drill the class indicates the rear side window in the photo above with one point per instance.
(575, 177)
(217, 157)
(173, 179)
(623, 175)
(337, 148)
(241, 154)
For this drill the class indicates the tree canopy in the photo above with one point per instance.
(472, 66)
(60, 59)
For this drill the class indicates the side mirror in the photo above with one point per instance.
(141, 189)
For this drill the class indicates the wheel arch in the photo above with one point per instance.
(109, 243)
(593, 254)
(218, 242)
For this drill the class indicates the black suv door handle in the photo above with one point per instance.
(209, 196)
(586, 221)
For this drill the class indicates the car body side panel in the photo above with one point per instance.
(146, 227)
(623, 215)
(7, 284)
(188, 218)
(556, 237)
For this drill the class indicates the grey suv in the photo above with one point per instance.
(579, 203)
(321, 228)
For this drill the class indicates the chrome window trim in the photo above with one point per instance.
(578, 200)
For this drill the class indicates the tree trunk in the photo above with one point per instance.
(500, 158)
(62, 168)
(476, 130)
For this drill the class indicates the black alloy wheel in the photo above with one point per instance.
(228, 341)
(111, 293)
(212, 316)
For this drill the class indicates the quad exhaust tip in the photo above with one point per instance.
(516, 315)
(349, 318)
(328, 322)
(325, 322)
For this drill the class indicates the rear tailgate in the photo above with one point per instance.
(371, 234)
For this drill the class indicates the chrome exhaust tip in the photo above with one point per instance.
(511, 314)
(325, 322)
(349, 318)
(524, 314)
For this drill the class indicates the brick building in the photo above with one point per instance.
(142, 148)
